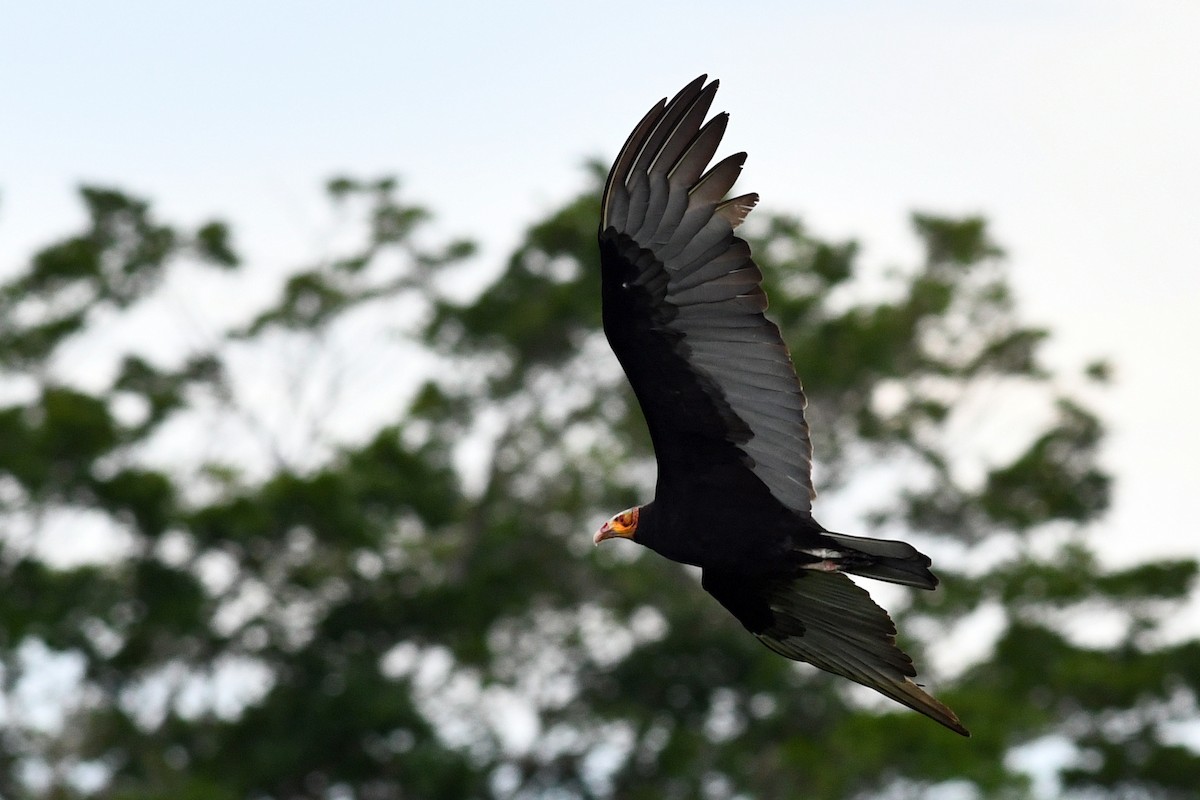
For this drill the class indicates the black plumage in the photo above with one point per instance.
(683, 311)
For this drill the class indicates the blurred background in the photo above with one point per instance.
(306, 420)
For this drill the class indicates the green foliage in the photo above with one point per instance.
(415, 609)
(1056, 478)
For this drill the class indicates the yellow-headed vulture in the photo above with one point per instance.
(683, 311)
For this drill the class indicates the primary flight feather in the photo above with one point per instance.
(683, 311)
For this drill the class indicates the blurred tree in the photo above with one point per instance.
(341, 548)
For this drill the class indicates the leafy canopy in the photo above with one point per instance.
(340, 546)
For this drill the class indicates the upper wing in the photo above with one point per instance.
(683, 305)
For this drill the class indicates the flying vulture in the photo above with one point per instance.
(683, 311)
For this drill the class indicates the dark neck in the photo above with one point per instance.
(647, 526)
(652, 532)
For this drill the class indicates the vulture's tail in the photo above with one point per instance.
(885, 560)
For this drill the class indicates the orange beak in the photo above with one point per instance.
(607, 531)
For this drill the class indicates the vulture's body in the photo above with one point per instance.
(683, 311)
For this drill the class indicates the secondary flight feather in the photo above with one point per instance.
(683, 312)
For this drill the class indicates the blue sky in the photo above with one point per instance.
(1071, 125)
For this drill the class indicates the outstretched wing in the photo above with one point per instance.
(827, 620)
(683, 305)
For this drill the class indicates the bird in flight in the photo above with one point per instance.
(683, 312)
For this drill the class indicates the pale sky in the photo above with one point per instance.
(1073, 126)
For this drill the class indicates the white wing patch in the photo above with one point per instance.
(760, 385)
